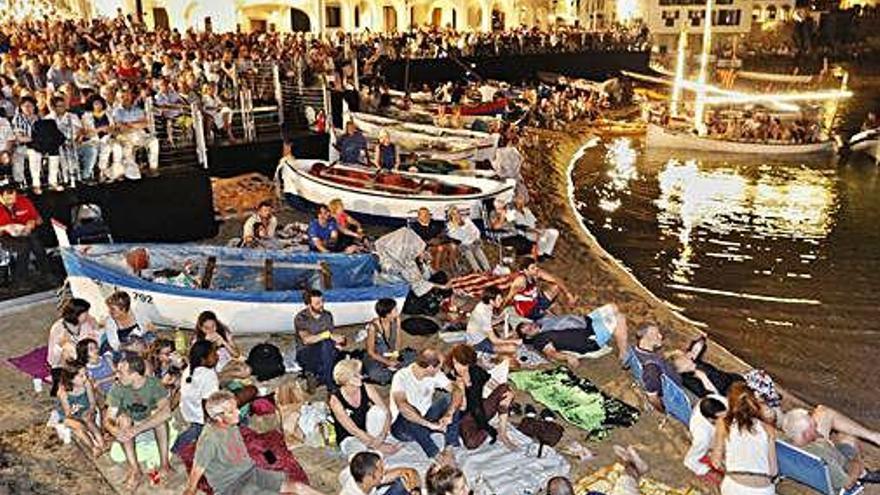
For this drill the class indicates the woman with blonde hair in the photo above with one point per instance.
(360, 415)
(463, 230)
(351, 231)
(745, 446)
(387, 156)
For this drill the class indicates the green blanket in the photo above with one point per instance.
(576, 399)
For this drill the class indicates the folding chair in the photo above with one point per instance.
(676, 401)
(808, 469)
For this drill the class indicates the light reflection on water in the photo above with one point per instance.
(761, 251)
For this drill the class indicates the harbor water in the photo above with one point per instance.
(778, 257)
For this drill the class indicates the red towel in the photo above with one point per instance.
(257, 445)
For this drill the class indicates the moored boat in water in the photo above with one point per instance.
(662, 137)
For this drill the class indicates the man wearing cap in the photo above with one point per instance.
(18, 222)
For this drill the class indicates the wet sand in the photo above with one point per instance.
(32, 460)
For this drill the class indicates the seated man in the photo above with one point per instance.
(481, 325)
(560, 338)
(647, 351)
(414, 411)
(265, 216)
(18, 222)
(366, 475)
(138, 403)
(702, 428)
(324, 234)
(526, 223)
(444, 250)
(527, 298)
(352, 145)
(222, 457)
(320, 346)
(131, 131)
(834, 438)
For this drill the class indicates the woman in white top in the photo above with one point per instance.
(524, 220)
(122, 324)
(467, 234)
(75, 324)
(209, 328)
(746, 445)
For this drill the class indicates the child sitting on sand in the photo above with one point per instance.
(76, 399)
(99, 367)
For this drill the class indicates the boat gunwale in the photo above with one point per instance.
(726, 146)
(504, 187)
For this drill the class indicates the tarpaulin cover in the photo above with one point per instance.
(239, 273)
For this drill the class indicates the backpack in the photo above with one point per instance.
(266, 362)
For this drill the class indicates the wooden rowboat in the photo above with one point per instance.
(661, 137)
(387, 196)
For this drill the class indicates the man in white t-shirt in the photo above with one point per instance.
(702, 429)
(415, 412)
(480, 327)
(265, 218)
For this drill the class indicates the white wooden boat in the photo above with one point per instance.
(232, 282)
(664, 138)
(867, 142)
(433, 143)
(386, 196)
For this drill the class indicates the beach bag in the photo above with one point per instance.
(418, 325)
(266, 362)
(544, 432)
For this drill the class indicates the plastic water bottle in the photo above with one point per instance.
(329, 433)
(180, 342)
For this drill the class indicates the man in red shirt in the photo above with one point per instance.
(19, 220)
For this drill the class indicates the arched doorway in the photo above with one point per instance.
(160, 19)
(437, 17)
(299, 21)
(389, 15)
(474, 17)
(497, 20)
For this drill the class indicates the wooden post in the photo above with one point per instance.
(208, 275)
(268, 282)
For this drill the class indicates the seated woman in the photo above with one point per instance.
(444, 251)
(77, 406)
(384, 355)
(350, 231)
(509, 236)
(698, 376)
(475, 428)
(360, 415)
(122, 323)
(463, 230)
(209, 328)
(387, 157)
(524, 220)
(75, 325)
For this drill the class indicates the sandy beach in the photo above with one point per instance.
(33, 460)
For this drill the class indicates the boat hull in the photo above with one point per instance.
(662, 138)
(296, 181)
(244, 312)
(442, 147)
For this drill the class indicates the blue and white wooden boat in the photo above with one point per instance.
(251, 290)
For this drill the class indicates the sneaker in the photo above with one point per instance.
(872, 477)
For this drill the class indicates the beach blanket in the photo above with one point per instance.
(576, 399)
(33, 363)
(603, 480)
(145, 447)
(258, 445)
(501, 470)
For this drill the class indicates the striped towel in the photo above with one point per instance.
(474, 284)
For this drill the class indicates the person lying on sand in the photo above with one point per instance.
(565, 338)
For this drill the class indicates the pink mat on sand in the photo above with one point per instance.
(33, 363)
